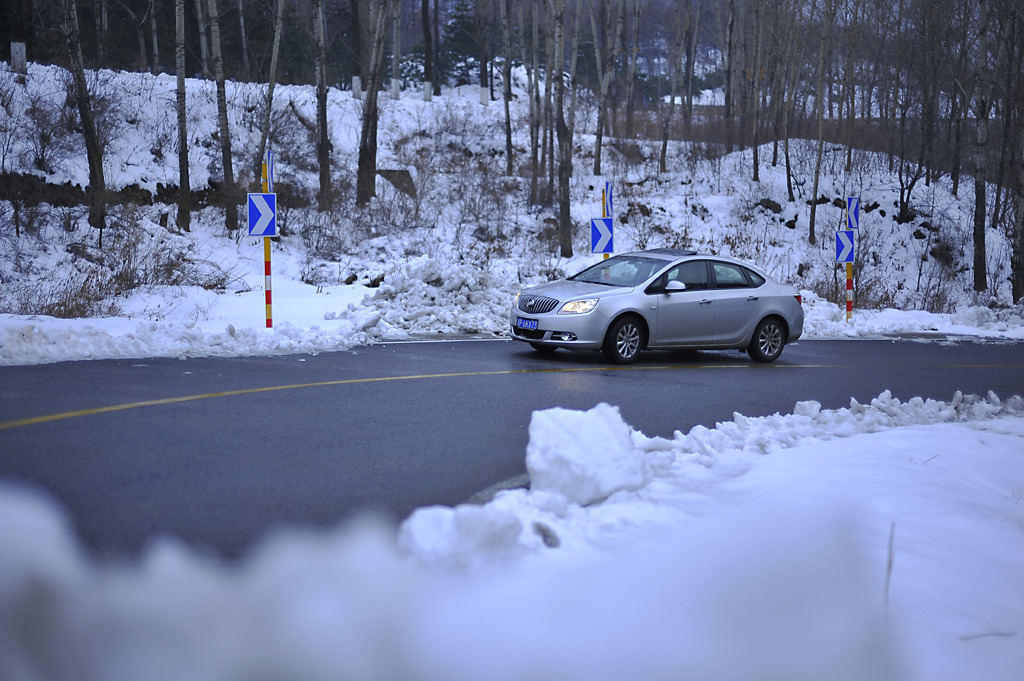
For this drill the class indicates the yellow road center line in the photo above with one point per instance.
(466, 374)
(350, 381)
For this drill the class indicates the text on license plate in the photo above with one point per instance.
(530, 324)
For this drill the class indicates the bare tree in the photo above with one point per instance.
(228, 192)
(564, 137)
(679, 28)
(828, 14)
(607, 45)
(244, 41)
(102, 19)
(153, 34)
(139, 24)
(506, 80)
(532, 62)
(323, 145)
(984, 87)
(97, 190)
(184, 220)
(366, 172)
(202, 15)
(272, 78)
(428, 50)
(631, 66)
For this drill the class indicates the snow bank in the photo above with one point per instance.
(759, 548)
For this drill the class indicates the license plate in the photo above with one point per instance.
(530, 324)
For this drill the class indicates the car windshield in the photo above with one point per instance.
(622, 270)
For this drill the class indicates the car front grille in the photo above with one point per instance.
(536, 304)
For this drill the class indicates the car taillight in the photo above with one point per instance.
(799, 299)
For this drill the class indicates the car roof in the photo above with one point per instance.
(671, 254)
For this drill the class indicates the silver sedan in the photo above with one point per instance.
(661, 299)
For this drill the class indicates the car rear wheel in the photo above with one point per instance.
(624, 340)
(768, 340)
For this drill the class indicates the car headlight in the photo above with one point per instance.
(515, 301)
(578, 306)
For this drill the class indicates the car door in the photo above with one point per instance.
(736, 303)
(686, 317)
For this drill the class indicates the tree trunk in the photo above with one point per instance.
(1017, 238)
(828, 9)
(153, 32)
(428, 50)
(564, 143)
(483, 56)
(437, 49)
(94, 153)
(272, 78)
(228, 190)
(102, 30)
(634, 54)
(607, 44)
(680, 29)
(755, 81)
(506, 81)
(244, 41)
(184, 220)
(530, 61)
(396, 51)
(366, 174)
(204, 48)
(323, 145)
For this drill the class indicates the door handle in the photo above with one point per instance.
(706, 301)
(752, 298)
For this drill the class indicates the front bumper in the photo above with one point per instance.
(583, 331)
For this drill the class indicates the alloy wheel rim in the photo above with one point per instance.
(628, 341)
(770, 340)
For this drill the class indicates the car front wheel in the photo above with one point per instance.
(624, 340)
(766, 344)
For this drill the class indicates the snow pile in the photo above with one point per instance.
(715, 562)
(428, 296)
(823, 319)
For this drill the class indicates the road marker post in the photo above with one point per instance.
(263, 222)
(852, 224)
(602, 231)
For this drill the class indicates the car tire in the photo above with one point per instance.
(624, 340)
(768, 340)
(543, 349)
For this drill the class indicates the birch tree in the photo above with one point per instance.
(228, 191)
(607, 45)
(272, 78)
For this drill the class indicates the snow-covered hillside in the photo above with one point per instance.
(446, 261)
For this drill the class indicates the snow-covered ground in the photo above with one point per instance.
(883, 541)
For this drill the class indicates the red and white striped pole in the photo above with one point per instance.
(268, 183)
(849, 290)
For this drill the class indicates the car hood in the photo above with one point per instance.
(568, 290)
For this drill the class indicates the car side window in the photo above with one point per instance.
(756, 280)
(693, 273)
(729, 276)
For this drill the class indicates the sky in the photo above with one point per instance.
(879, 541)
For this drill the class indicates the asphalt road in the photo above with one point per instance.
(219, 451)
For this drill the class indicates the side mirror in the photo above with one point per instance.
(675, 287)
